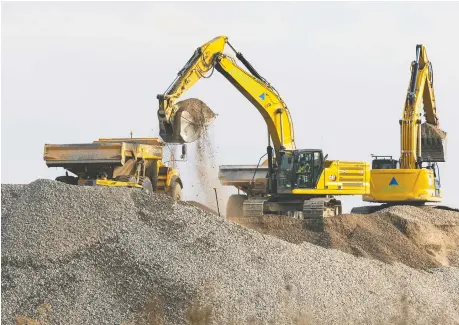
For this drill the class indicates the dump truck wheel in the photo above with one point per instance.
(234, 205)
(146, 184)
(67, 180)
(175, 191)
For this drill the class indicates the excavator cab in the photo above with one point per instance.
(299, 169)
(384, 162)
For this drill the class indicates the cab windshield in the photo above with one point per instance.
(300, 169)
(308, 167)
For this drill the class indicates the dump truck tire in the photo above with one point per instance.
(175, 191)
(234, 205)
(147, 186)
(67, 180)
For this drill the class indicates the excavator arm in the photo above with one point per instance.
(421, 142)
(412, 182)
(250, 83)
(197, 66)
(286, 186)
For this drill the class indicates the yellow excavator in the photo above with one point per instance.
(295, 182)
(414, 178)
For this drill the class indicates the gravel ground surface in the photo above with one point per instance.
(420, 237)
(86, 255)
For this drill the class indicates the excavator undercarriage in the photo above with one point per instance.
(258, 201)
(299, 208)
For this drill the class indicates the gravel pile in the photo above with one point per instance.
(87, 255)
(420, 237)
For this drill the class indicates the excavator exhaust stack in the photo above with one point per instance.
(433, 143)
(189, 121)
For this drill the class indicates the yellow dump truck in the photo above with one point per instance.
(127, 162)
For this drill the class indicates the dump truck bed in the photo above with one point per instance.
(241, 174)
(61, 155)
(105, 151)
(248, 178)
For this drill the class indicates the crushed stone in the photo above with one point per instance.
(420, 237)
(93, 255)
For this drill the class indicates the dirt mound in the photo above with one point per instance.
(420, 237)
(91, 255)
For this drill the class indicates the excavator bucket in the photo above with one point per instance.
(433, 143)
(190, 120)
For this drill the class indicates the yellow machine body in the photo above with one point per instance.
(292, 181)
(415, 177)
(341, 178)
(403, 186)
(116, 162)
(107, 182)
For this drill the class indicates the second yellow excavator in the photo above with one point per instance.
(296, 182)
(414, 178)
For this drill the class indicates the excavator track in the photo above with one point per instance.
(253, 207)
(315, 208)
(319, 208)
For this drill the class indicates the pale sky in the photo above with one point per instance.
(76, 72)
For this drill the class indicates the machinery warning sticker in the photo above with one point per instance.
(394, 187)
(262, 96)
(393, 182)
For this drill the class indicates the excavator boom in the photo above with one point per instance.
(249, 83)
(421, 141)
(295, 182)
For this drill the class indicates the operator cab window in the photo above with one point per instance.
(308, 167)
(384, 164)
(284, 177)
